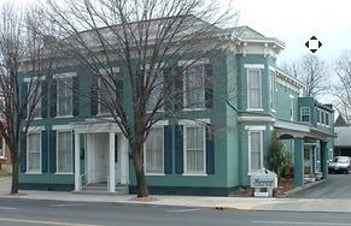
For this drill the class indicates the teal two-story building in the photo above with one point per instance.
(213, 146)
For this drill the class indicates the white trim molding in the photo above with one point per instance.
(256, 119)
(104, 71)
(33, 129)
(194, 122)
(254, 66)
(255, 128)
(65, 127)
(271, 68)
(193, 62)
(34, 78)
(65, 75)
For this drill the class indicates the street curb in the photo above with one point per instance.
(303, 187)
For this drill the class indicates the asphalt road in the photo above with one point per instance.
(338, 186)
(21, 212)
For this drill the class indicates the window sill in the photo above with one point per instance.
(64, 173)
(3, 158)
(273, 110)
(254, 109)
(33, 173)
(64, 116)
(36, 118)
(155, 174)
(194, 109)
(195, 174)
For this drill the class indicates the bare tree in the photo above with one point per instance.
(149, 38)
(312, 71)
(342, 89)
(20, 51)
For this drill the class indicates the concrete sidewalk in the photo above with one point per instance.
(232, 203)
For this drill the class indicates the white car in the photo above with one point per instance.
(340, 164)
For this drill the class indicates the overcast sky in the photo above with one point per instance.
(295, 21)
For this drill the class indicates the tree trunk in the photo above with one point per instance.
(139, 171)
(15, 169)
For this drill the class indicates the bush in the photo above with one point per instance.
(278, 160)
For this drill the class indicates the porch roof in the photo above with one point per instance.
(95, 126)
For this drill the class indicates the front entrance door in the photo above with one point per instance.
(98, 149)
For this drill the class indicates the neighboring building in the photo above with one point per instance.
(343, 139)
(5, 156)
(70, 147)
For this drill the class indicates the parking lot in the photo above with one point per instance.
(337, 186)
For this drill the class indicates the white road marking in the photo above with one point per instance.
(302, 223)
(7, 208)
(67, 205)
(42, 222)
(182, 210)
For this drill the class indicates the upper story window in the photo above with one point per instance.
(65, 96)
(305, 114)
(323, 118)
(108, 88)
(156, 92)
(272, 90)
(254, 89)
(194, 86)
(33, 99)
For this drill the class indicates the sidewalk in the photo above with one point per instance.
(225, 203)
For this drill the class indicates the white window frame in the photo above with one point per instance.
(103, 72)
(161, 87)
(248, 70)
(309, 114)
(27, 154)
(291, 112)
(3, 150)
(57, 149)
(185, 170)
(272, 103)
(64, 76)
(251, 129)
(189, 108)
(163, 150)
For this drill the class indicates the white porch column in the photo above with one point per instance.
(112, 183)
(124, 160)
(77, 182)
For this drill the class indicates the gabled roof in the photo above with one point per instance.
(247, 32)
(340, 121)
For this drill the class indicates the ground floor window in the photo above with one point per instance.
(64, 152)
(255, 151)
(34, 153)
(154, 152)
(195, 150)
(2, 148)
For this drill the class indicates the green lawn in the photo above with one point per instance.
(4, 173)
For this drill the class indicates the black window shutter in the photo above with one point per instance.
(94, 95)
(75, 93)
(52, 153)
(24, 93)
(179, 149)
(44, 100)
(53, 98)
(210, 157)
(44, 151)
(23, 153)
(208, 86)
(167, 141)
(120, 88)
(178, 83)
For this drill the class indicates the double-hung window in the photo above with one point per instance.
(34, 99)
(254, 89)
(108, 90)
(194, 86)
(154, 152)
(272, 90)
(34, 152)
(64, 96)
(2, 148)
(195, 150)
(156, 92)
(305, 114)
(64, 155)
(255, 150)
